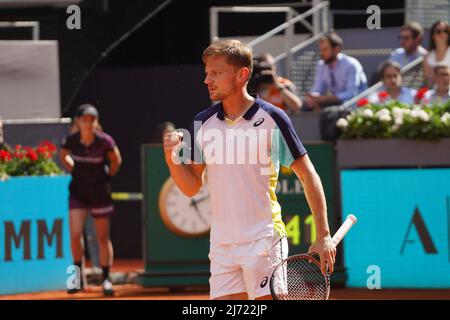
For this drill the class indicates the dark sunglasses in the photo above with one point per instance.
(438, 31)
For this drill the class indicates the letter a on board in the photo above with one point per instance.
(422, 231)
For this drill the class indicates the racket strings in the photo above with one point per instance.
(300, 279)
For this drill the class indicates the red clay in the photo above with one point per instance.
(136, 292)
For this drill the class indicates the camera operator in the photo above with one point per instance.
(269, 86)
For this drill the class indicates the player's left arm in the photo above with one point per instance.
(315, 196)
(115, 161)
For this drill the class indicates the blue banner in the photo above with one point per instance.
(34, 234)
(402, 235)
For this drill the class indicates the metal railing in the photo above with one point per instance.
(318, 12)
(23, 24)
(36, 121)
(379, 84)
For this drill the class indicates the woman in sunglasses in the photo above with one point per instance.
(439, 51)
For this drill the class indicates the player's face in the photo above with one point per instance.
(327, 52)
(221, 78)
(392, 78)
(87, 123)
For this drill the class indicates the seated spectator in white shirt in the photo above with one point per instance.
(338, 76)
(411, 36)
(441, 92)
(392, 90)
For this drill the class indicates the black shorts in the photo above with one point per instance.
(96, 198)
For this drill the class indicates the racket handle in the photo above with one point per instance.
(344, 228)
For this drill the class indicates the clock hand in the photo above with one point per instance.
(197, 211)
(200, 199)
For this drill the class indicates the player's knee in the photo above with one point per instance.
(75, 237)
(103, 239)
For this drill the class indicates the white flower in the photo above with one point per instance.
(385, 118)
(342, 123)
(383, 112)
(421, 115)
(395, 127)
(425, 117)
(397, 112)
(415, 113)
(367, 113)
(445, 118)
(398, 121)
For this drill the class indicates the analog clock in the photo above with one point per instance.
(184, 216)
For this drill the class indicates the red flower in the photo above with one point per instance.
(42, 151)
(383, 95)
(420, 93)
(18, 155)
(50, 147)
(32, 155)
(18, 147)
(362, 102)
(5, 155)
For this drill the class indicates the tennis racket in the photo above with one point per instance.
(299, 277)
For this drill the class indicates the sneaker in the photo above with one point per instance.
(74, 290)
(107, 288)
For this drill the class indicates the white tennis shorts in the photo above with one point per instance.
(245, 267)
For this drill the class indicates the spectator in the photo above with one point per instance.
(439, 49)
(441, 92)
(392, 90)
(277, 90)
(411, 36)
(338, 76)
(3, 145)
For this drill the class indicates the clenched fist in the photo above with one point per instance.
(172, 142)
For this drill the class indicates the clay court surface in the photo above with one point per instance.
(136, 292)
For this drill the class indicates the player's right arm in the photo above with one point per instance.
(66, 160)
(188, 177)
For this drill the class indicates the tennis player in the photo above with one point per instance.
(86, 154)
(241, 142)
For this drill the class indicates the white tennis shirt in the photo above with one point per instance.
(243, 159)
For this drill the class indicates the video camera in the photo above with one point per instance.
(262, 74)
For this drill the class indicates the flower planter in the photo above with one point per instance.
(393, 153)
(34, 234)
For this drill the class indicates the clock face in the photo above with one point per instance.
(189, 217)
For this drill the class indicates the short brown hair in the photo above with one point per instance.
(414, 27)
(333, 39)
(388, 64)
(237, 53)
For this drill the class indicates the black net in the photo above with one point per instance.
(299, 278)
